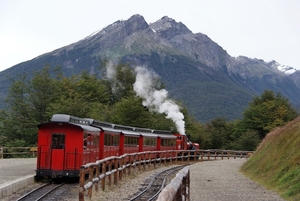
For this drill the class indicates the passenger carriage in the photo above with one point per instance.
(64, 144)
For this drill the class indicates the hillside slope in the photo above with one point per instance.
(276, 162)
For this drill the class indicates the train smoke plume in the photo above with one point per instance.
(157, 100)
(111, 75)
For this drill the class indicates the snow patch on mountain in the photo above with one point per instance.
(283, 68)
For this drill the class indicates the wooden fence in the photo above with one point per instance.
(17, 152)
(118, 167)
(178, 189)
(124, 165)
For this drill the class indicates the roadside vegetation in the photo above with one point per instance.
(33, 99)
(276, 162)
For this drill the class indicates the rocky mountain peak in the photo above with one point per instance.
(115, 32)
(135, 23)
(168, 28)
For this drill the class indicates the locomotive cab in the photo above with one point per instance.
(181, 142)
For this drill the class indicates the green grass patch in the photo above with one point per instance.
(276, 162)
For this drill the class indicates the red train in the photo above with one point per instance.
(67, 142)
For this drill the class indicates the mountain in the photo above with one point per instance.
(195, 69)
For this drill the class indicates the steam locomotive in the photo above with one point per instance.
(67, 142)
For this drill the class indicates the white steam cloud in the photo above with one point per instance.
(157, 100)
(110, 70)
(111, 73)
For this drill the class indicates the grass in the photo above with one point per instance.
(276, 162)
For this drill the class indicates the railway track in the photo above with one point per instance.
(41, 192)
(156, 184)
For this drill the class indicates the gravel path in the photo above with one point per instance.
(221, 180)
(11, 169)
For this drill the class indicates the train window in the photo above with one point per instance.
(58, 141)
(85, 141)
(111, 140)
(90, 141)
(149, 141)
(163, 142)
(107, 138)
(135, 141)
(96, 141)
(131, 141)
(127, 141)
(167, 142)
(115, 140)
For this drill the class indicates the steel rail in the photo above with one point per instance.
(24, 197)
(172, 170)
(51, 190)
(34, 190)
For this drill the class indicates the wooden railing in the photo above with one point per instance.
(17, 152)
(178, 189)
(118, 167)
(219, 153)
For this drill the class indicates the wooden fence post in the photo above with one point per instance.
(109, 172)
(97, 175)
(133, 163)
(140, 162)
(120, 159)
(91, 176)
(144, 163)
(188, 184)
(103, 173)
(116, 171)
(154, 163)
(81, 184)
(202, 153)
(129, 170)
(124, 164)
(149, 157)
(182, 157)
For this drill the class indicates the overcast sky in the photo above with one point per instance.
(263, 29)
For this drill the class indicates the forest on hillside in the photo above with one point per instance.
(112, 98)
